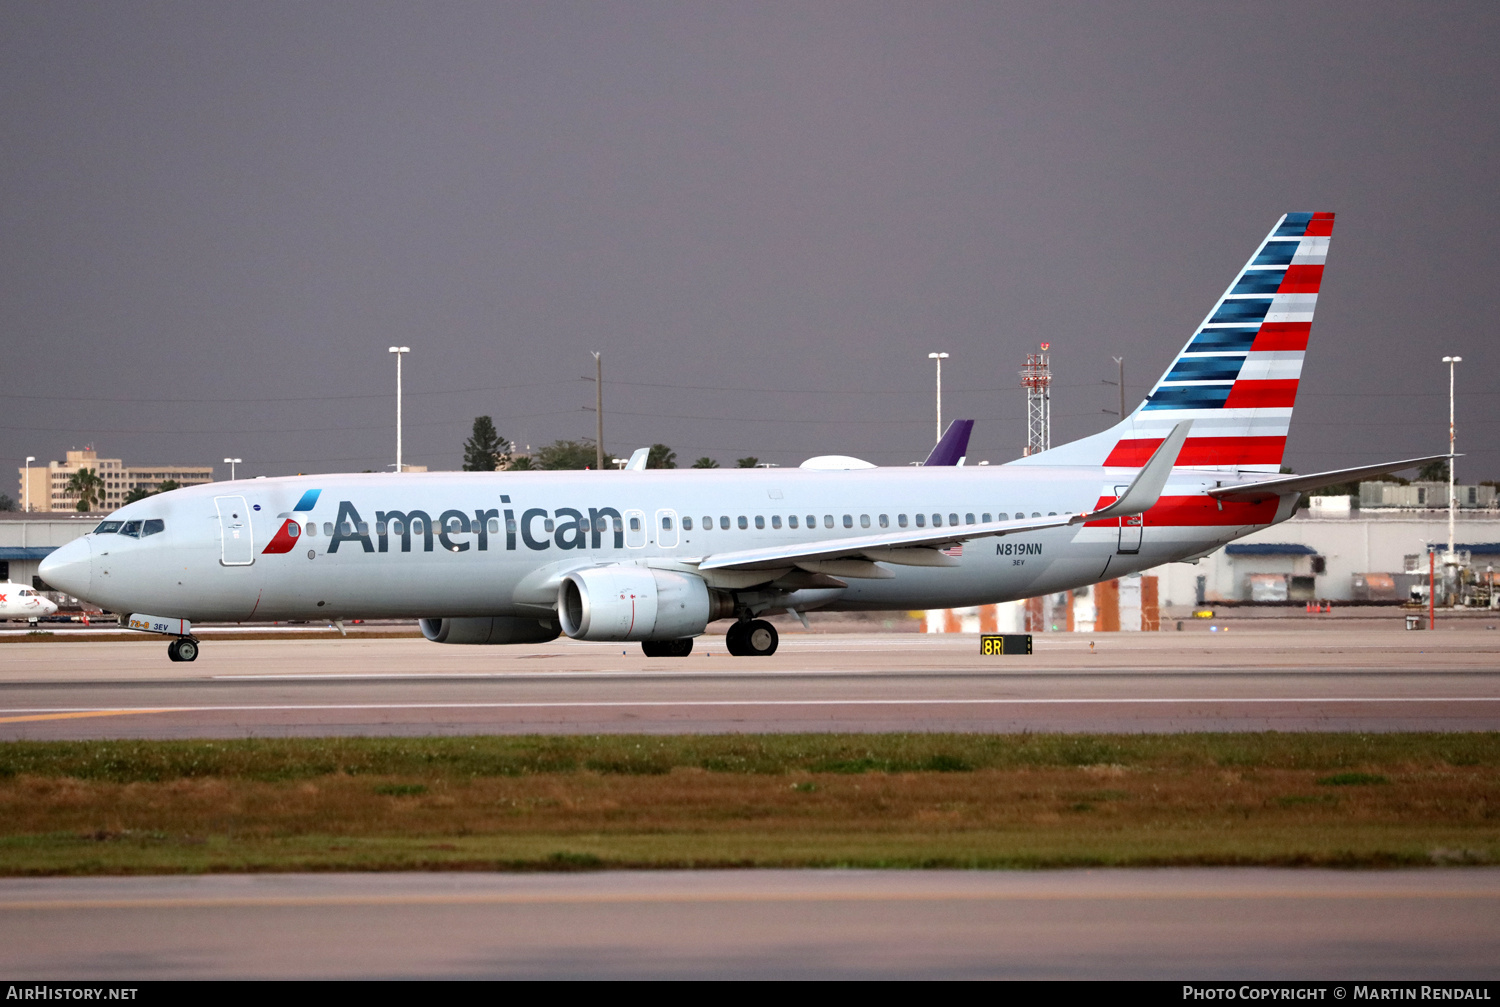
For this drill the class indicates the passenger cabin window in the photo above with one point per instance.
(900, 520)
(666, 523)
(635, 524)
(968, 519)
(550, 525)
(937, 520)
(864, 520)
(1020, 515)
(812, 521)
(921, 521)
(986, 517)
(827, 520)
(153, 526)
(107, 528)
(848, 520)
(1036, 513)
(791, 521)
(723, 522)
(743, 523)
(328, 528)
(760, 522)
(687, 524)
(312, 529)
(131, 528)
(775, 520)
(885, 520)
(953, 520)
(494, 526)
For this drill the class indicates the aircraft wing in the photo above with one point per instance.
(1257, 491)
(919, 546)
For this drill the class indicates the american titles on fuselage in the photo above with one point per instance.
(566, 528)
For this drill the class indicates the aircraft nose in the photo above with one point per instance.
(69, 568)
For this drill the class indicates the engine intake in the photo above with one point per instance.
(636, 603)
(497, 630)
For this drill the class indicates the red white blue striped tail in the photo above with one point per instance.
(1236, 378)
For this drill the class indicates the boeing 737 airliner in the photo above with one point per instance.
(655, 556)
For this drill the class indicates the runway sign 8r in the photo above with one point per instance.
(992, 644)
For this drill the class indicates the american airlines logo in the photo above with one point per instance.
(459, 531)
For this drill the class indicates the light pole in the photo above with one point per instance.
(232, 462)
(29, 460)
(939, 357)
(1452, 499)
(400, 352)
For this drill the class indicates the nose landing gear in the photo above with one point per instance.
(752, 638)
(184, 648)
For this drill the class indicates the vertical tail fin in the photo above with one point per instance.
(953, 446)
(1236, 378)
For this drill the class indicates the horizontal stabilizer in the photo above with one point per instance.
(1298, 484)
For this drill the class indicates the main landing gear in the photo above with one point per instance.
(751, 638)
(184, 648)
(667, 648)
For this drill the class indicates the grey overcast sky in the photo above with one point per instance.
(218, 216)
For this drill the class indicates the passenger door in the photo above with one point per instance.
(666, 529)
(237, 547)
(1131, 528)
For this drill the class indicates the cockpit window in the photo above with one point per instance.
(152, 526)
(107, 528)
(131, 528)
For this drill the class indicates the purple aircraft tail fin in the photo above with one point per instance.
(954, 445)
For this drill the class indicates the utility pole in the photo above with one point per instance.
(400, 352)
(598, 413)
(939, 357)
(1120, 362)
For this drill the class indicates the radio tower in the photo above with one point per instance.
(1036, 378)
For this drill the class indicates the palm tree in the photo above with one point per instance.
(88, 486)
(705, 463)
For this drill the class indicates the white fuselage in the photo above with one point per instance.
(381, 545)
(20, 602)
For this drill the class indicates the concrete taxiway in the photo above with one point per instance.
(1145, 924)
(1251, 679)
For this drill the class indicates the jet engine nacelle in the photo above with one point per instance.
(500, 629)
(636, 603)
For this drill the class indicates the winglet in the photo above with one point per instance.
(953, 446)
(1145, 489)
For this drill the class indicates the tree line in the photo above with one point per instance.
(487, 451)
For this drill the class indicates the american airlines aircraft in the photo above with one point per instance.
(20, 602)
(655, 556)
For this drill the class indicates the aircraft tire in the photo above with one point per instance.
(172, 654)
(187, 650)
(667, 648)
(760, 638)
(734, 639)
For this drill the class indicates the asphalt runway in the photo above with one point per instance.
(1177, 924)
(1251, 680)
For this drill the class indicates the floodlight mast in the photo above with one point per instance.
(939, 357)
(1452, 497)
(400, 351)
